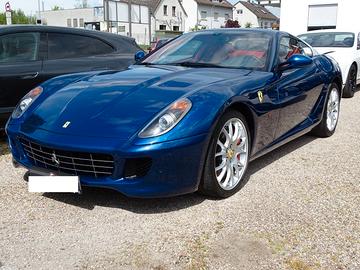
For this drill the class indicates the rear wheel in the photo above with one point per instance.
(227, 157)
(328, 124)
(350, 85)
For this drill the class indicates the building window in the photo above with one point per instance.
(265, 25)
(165, 10)
(216, 16)
(122, 28)
(176, 28)
(68, 22)
(174, 11)
(162, 27)
(227, 16)
(203, 15)
(81, 22)
(239, 11)
(75, 23)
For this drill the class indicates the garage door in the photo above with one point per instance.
(322, 17)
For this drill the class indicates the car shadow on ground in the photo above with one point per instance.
(4, 148)
(92, 197)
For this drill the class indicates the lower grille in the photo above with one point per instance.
(74, 163)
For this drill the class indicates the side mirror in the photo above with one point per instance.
(308, 52)
(295, 61)
(139, 56)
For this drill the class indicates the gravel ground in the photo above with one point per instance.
(299, 210)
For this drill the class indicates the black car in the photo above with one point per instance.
(30, 55)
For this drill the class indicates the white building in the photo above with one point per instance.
(301, 16)
(138, 26)
(254, 15)
(116, 19)
(167, 15)
(207, 13)
(274, 3)
(77, 18)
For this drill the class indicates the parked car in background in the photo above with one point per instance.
(30, 55)
(209, 101)
(157, 44)
(344, 47)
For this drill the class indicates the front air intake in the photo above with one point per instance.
(137, 167)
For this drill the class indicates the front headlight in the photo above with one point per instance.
(167, 119)
(26, 101)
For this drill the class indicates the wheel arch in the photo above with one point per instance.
(248, 114)
(338, 82)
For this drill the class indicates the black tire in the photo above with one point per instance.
(350, 86)
(209, 184)
(322, 129)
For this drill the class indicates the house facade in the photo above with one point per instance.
(207, 14)
(77, 18)
(298, 17)
(168, 15)
(253, 15)
(116, 16)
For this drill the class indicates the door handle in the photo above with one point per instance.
(29, 76)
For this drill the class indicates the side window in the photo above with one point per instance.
(288, 47)
(358, 41)
(19, 47)
(62, 46)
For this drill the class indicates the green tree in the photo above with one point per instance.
(248, 25)
(18, 17)
(82, 4)
(56, 8)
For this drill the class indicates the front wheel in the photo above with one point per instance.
(328, 124)
(227, 157)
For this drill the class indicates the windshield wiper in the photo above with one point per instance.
(145, 64)
(195, 64)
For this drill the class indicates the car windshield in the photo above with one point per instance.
(249, 50)
(329, 39)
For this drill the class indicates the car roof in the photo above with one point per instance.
(112, 38)
(331, 31)
(234, 30)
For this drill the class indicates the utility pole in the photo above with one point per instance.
(106, 14)
(130, 19)
(39, 16)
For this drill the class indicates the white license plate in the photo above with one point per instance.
(68, 184)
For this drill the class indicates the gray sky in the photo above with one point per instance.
(31, 6)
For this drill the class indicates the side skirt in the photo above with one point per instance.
(297, 132)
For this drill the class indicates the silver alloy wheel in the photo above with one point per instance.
(231, 154)
(332, 115)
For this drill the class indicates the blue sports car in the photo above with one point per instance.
(189, 116)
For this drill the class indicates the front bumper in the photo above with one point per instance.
(176, 165)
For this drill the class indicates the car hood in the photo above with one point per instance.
(339, 54)
(120, 104)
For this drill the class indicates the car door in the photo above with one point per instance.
(20, 68)
(70, 53)
(298, 88)
(357, 56)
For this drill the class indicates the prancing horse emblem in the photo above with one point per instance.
(55, 159)
(67, 123)
(260, 96)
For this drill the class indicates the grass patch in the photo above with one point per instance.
(296, 264)
(198, 253)
(4, 148)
